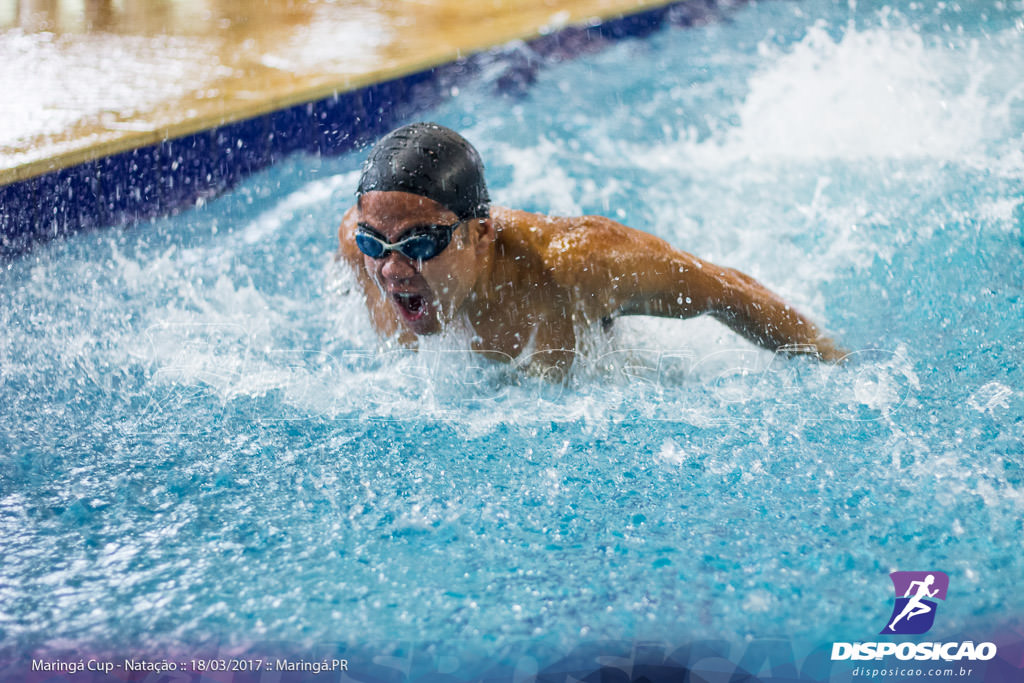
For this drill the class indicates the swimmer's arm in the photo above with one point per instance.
(621, 271)
(756, 313)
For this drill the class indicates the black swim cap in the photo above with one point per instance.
(431, 161)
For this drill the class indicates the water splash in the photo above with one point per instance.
(209, 387)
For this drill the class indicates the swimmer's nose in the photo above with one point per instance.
(397, 267)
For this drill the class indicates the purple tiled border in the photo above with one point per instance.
(776, 659)
(139, 184)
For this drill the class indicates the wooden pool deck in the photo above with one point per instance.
(100, 77)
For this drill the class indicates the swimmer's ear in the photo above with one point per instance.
(484, 233)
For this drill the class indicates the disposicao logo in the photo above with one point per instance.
(913, 614)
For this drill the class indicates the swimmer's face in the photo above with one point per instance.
(423, 294)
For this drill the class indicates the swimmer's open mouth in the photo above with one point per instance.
(412, 306)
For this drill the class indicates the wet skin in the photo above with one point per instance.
(526, 281)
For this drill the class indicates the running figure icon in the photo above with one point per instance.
(915, 605)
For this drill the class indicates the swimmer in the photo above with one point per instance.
(914, 606)
(429, 249)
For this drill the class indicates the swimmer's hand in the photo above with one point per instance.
(828, 351)
(823, 348)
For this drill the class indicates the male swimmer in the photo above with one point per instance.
(428, 249)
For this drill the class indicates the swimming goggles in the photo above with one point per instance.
(422, 243)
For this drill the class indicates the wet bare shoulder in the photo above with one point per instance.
(556, 239)
(592, 249)
(531, 230)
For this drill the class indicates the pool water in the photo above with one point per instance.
(204, 442)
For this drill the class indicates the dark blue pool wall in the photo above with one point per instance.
(133, 186)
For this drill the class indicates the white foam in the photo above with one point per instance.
(992, 398)
(871, 94)
(878, 93)
(671, 453)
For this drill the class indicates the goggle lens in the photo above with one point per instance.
(423, 245)
(373, 248)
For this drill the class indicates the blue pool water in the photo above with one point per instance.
(203, 441)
